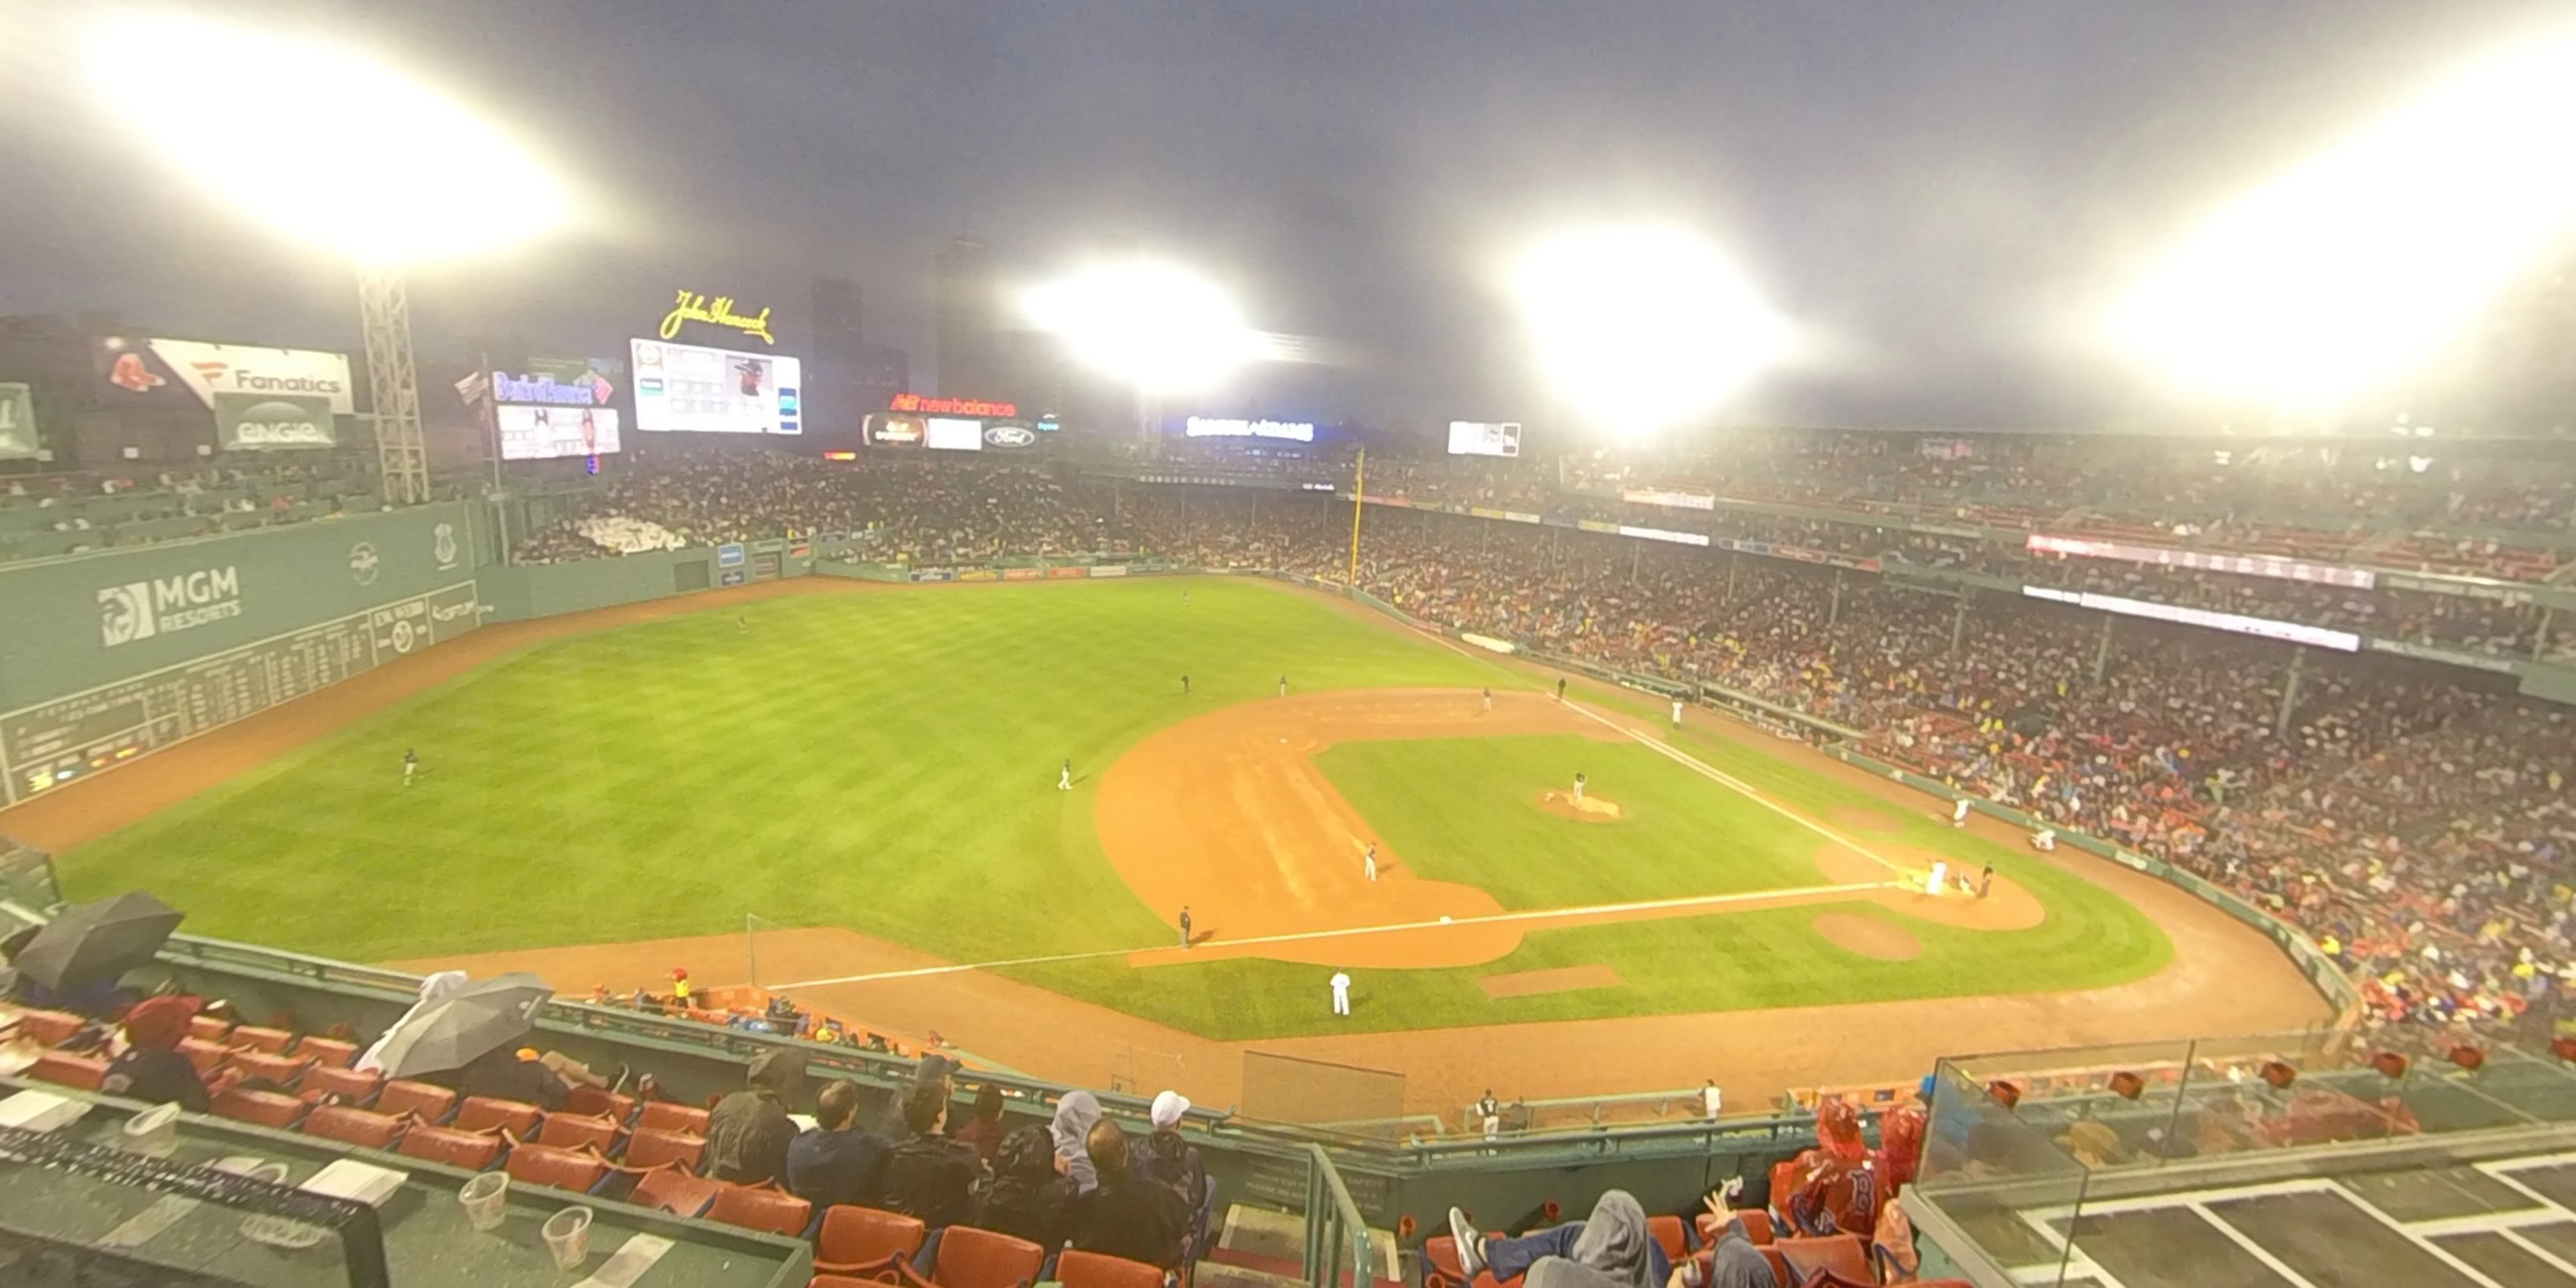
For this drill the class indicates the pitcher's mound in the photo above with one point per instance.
(1868, 936)
(1591, 809)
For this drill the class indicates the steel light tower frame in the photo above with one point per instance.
(384, 316)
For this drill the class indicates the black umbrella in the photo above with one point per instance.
(95, 941)
(452, 1034)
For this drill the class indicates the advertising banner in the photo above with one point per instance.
(1109, 570)
(930, 574)
(1223, 427)
(273, 422)
(2452, 656)
(1009, 438)
(888, 430)
(980, 574)
(1068, 572)
(1484, 438)
(544, 433)
(1670, 500)
(171, 371)
(1022, 574)
(949, 434)
(687, 388)
(17, 422)
(729, 555)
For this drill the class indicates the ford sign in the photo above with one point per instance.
(1009, 436)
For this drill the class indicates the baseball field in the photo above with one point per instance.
(887, 762)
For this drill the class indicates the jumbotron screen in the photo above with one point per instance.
(1484, 438)
(692, 389)
(544, 433)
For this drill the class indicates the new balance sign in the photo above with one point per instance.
(139, 610)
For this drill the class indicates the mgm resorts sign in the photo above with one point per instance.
(139, 610)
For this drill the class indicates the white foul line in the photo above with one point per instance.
(1485, 919)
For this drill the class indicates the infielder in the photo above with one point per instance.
(1560, 688)
(1064, 777)
(1283, 686)
(1341, 992)
(1489, 700)
(1578, 788)
(1959, 813)
(1368, 861)
(1185, 927)
(1940, 878)
(411, 764)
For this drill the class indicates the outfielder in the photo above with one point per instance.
(1064, 777)
(1283, 686)
(1677, 713)
(411, 764)
(1341, 992)
(1368, 861)
(1185, 684)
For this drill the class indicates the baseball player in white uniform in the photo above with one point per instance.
(1341, 992)
(1064, 777)
(1489, 699)
(1578, 789)
(1940, 878)
(1368, 861)
(1677, 713)
(1959, 813)
(1283, 686)
(411, 764)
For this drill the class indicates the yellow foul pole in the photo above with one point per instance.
(1359, 502)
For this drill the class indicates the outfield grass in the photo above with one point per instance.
(887, 762)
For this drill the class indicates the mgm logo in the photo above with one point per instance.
(139, 610)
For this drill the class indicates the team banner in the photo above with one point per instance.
(273, 422)
(17, 422)
(170, 370)
(1670, 500)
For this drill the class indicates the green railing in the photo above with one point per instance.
(1334, 1226)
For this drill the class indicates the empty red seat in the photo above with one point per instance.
(469, 1150)
(1840, 1255)
(485, 1113)
(563, 1169)
(207, 1056)
(662, 1115)
(418, 1098)
(574, 1131)
(354, 1126)
(863, 1240)
(264, 1041)
(650, 1148)
(209, 1028)
(1079, 1269)
(678, 1193)
(328, 1051)
(266, 1108)
(49, 1028)
(62, 1068)
(1667, 1232)
(756, 1208)
(972, 1258)
(280, 1069)
(347, 1084)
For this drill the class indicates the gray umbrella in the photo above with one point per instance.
(95, 941)
(479, 1020)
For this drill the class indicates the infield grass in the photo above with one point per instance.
(886, 761)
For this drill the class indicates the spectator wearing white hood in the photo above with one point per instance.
(1169, 1160)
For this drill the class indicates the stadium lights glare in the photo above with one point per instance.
(1158, 327)
(2362, 264)
(285, 129)
(1643, 328)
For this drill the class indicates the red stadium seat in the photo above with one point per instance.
(864, 1241)
(331, 1052)
(1757, 1225)
(1079, 1269)
(755, 1208)
(349, 1085)
(283, 1070)
(209, 1028)
(67, 1070)
(840, 1281)
(574, 1131)
(265, 1108)
(264, 1041)
(972, 1258)
(676, 1192)
(650, 1148)
(207, 1056)
(1842, 1255)
(469, 1150)
(663, 1115)
(1779, 1266)
(600, 1104)
(354, 1126)
(485, 1113)
(1668, 1234)
(563, 1169)
(1442, 1270)
(420, 1099)
(48, 1028)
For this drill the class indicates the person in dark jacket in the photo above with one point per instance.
(1166, 1158)
(1129, 1216)
(748, 1134)
(1027, 1198)
(929, 1176)
(506, 1074)
(833, 1161)
(983, 1131)
(151, 1067)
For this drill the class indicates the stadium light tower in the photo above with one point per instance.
(1642, 328)
(2363, 263)
(1158, 328)
(177, 83)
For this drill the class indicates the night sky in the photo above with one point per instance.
(1935, 191)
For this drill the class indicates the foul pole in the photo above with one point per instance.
(1359, 501)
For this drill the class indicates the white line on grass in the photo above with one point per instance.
(1713, 774)
(1300, 936)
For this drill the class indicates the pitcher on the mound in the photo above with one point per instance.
(1578, 789)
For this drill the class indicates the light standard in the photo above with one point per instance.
(1157, 328)
(177, 82)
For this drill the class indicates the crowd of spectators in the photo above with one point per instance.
(69, 513)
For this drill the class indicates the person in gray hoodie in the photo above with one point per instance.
(1075, 1115)
(1609, 1249)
